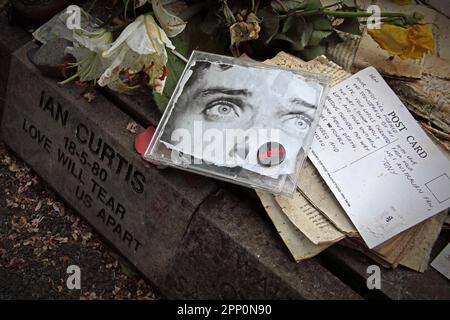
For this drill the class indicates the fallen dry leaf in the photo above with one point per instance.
(13, 168)
(90, 95)
(11, 204)
(132, 127)
(38, 206)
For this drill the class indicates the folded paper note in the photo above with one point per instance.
(442, 262)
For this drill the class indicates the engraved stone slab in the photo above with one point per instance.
(85, 153)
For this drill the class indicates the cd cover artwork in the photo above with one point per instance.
(240, 121)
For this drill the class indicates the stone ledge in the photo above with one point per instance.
(400, 283)
(151, 216)
(232, 251)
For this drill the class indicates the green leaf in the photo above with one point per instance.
(293, 26)
(283, 37)
(306, 35)
(320, 22)
(175, 67)
(161, 100)
(398, 21)
(414, 18)
(269, 25)
(296, 31)
(350, 25)
(317, 36)
(289, 5)
(312, 52)
(313, 5)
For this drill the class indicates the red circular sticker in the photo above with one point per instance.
(271, 154)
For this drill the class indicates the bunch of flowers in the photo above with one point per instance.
(143, 52)
(306, 27)
(138, 54)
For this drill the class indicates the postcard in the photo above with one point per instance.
(382, 167)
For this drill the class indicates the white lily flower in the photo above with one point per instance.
(87, 50)
(140, 47)
(98, 40)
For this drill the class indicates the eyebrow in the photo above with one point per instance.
(299, 102)
(222, 90)
(303, 103)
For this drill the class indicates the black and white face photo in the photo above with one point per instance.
(232, 116)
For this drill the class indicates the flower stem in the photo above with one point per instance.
(342, 14)
(82, 72)
(180, 56)
(76, 75)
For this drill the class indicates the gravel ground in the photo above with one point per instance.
(40, 238)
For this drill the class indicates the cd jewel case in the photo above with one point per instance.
(240, 121)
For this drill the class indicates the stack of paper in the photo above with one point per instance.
(381, 185)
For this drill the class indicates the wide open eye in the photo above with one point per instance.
(221, 110)
(298, 122)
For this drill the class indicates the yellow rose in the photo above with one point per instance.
(407, 43)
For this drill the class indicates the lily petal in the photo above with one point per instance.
(127, 32)
(170, 23)
(143, 41)
(96, 41)
(113, 71)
